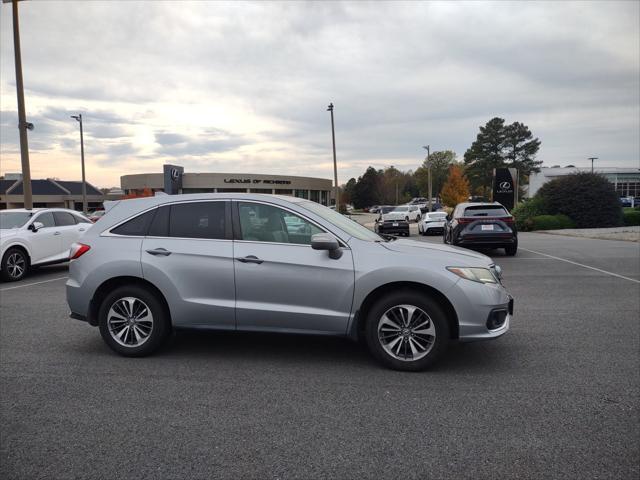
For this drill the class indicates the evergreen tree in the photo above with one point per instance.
(456, 188)
(366, 190)
(520, 149)
(440, 163)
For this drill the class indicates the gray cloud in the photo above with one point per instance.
(400, 74)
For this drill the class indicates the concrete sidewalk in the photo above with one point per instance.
(629, 234)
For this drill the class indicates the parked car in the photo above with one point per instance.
(40, 236)
(199, 261)
(408, 213)
(373, 209)
(482, 225)
(432, 222)
(95, 215)
(382, 209)
(392, 227)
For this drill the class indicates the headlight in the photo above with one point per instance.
(482, 275)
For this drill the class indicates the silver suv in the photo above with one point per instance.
(277, 264)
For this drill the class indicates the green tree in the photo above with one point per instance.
(440, 163)
(499, 145)
(347, 191)
(366, 190)
(456, 188)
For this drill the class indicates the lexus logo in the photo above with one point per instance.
(505, 186)
(175, 174)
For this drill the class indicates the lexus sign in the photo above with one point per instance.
(505, 186)
(173, 179)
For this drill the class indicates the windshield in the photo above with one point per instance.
(343, 223)
(13, 219)
(437, 215)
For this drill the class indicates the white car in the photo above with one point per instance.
(432, 222)
(408, 213)
(41, 236)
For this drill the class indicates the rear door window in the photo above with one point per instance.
(136, 227)
(64, 219)
(198, 220)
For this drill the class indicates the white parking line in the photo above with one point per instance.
(582, 265)
(31, 284)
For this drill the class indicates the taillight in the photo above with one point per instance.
(466, 220)
(507, 219)
(77, 250)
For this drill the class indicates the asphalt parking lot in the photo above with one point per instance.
(555, 397)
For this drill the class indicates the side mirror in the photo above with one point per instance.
(448, 218)
(35, 226)
(324, 241)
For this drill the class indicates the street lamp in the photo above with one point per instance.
(23, 125)
(426, 147)
(84, 182)
(592, 159)
(335, 164)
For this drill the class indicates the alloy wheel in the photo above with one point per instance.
(16, 265)
(406, 332)
(130, 321)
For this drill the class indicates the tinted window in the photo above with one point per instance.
(266, 223)
(137, 226)
(485, 211)
(64, 219)
(197, 220)
(160, 224)
(46, 219)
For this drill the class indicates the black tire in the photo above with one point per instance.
(15, 265)
(511, 250)
(425, 303)
(407, 219)
(160, 328)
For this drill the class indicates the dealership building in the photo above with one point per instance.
(626, 181)
(173, 180)
(48, 193)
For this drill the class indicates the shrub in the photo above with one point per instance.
(631, 216)
(551, 222)
(525, 211)
(588, 199)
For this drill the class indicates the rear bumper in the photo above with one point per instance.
(403, 227)
(487, 239)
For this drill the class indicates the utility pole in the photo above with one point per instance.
(335, 163)
(23, 125)
(429, 206)
(84, 182)
(592, 159)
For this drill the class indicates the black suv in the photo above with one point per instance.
(487, 225)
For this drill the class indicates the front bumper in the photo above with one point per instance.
(474, 302)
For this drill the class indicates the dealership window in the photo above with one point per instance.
(266, 223)
(315, 196)
(302, 194)
(232, 190)
(324, 197)
(260, 190)
(284, 191)
(198, 190)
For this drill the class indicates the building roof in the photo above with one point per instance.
(39, 187)
(75, 187)
(5, 184)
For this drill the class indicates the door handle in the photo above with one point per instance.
(57, 233)
(163, 252)
(81, 229)
(250, 259)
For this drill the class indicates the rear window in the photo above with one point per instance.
(485, 211)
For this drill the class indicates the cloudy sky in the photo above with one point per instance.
(243, 87)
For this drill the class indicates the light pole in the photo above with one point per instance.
(84, 182)
(335, 164)
(592, 159)
(428, 170)
(23, 125)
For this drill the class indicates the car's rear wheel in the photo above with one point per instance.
(407, 330)
(15, 265)
(511, 250)
(133, 321)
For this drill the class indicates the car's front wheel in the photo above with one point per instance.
(15, 265)
(133, 321)
(407, 330)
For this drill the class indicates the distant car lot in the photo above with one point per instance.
(555, 397)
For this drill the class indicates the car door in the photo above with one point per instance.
(69, 231)
(282, 284)
(188, 255)
(45, 242)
